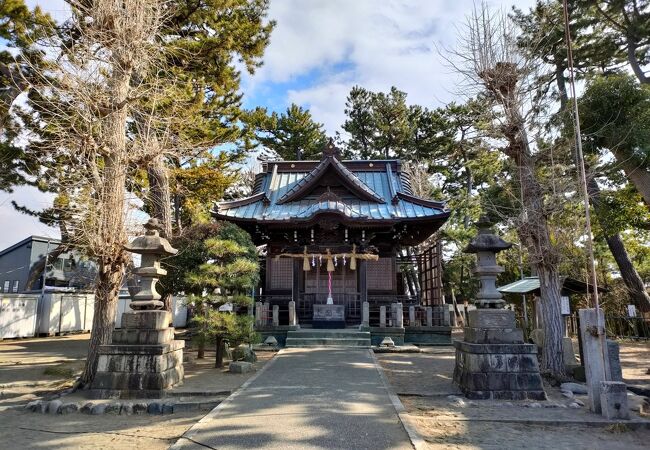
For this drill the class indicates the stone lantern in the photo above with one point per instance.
(143, 360)
(486, 245)
(492, 360)
(153, 248)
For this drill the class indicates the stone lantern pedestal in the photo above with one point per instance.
(492, 361)
(143, 359)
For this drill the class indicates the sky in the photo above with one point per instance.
(319, 50)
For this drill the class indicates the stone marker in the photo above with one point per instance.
(613, 400)
(613, 352)
(387, 342)
(594, 350)
(568, 354)
(429, 316)
(382, 316)
(240, 367)
(412, 316)
(271, 341)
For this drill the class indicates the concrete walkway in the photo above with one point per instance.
(306, 399)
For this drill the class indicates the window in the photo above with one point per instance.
(58, 264)
(16, 283)
(6, 286)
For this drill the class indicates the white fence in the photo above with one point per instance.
(65, 313)
(17, 315)
(25, 315)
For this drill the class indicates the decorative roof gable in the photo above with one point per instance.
(330, 163)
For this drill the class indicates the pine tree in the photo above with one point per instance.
(291, 135)
(227, 274)
(20, 27)
(205, 43)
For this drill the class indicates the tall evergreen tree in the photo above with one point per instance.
(206, 42)
(597, 50)
(291, 135)
(20, 27)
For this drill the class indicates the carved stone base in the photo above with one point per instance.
(492, 362)
(143, 361)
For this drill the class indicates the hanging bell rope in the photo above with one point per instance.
(330, 263)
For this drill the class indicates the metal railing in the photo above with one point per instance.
(618, 327)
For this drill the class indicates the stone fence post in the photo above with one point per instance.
(265, 313)
(446, 320)
(412, 316)
(399, 316)
(429, 316)
(292, 313)
(365, 314)
(258, 314)
(382, 316)
(276, 315)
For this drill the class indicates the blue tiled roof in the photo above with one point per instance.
(391, 196)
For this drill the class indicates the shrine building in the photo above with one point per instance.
(341, 233)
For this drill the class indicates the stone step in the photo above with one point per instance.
(334, 334)
(327, 342)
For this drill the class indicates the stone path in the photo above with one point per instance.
(306, 399)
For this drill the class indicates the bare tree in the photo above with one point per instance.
(491, 62)
(81, 102)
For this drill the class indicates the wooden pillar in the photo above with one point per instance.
(297, 279)
(363, 280)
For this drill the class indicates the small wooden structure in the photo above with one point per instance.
(341, 232)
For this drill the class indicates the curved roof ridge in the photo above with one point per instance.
(331, 206)
(351, 181)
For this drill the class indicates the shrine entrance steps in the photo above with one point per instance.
(346, 337)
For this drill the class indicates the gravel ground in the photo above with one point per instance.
(446, 420)
(24, 377)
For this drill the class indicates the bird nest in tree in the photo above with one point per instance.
(502, 77)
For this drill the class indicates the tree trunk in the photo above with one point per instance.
(632, 46)
(636, 173)
(159, 195)
(561, 86)
(200, 353)
(160, 201)
(109, 281)
(631, 278)
(218, 362)
(534, 233)
(108, 232)
(549, 283)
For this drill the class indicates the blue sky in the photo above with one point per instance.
(319, 50)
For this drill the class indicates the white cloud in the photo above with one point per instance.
(334, 45)
(379, 44)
